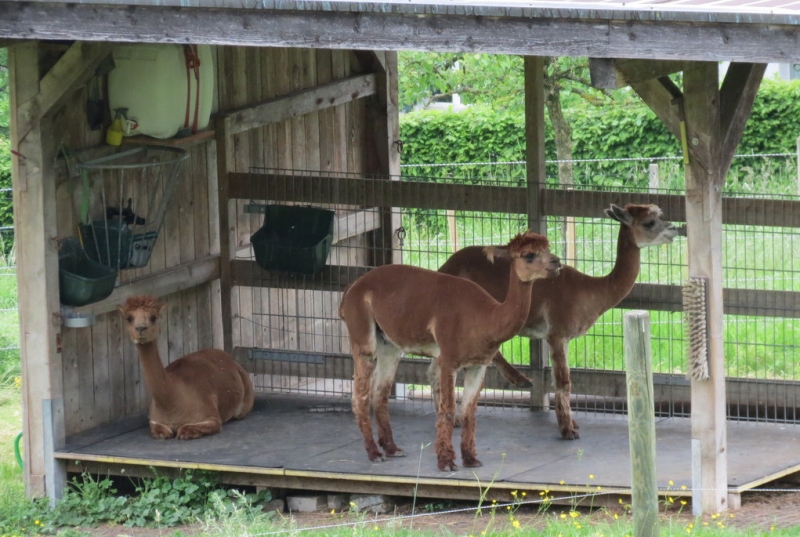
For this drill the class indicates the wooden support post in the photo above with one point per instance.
(383, 115)
(704, 226)
(537, 221)
(452, 229)
(641, 423)
(653, 180)
(34, 191)
(225, 159)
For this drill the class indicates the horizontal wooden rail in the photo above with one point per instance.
(758, 395)
(382, 192)
(162, 283)
(647, 296)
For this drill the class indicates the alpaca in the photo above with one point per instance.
(398, 308)
(194, 395)
(567, 306)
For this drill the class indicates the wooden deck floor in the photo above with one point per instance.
(313, 443)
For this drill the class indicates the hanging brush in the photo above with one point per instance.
(694, 314)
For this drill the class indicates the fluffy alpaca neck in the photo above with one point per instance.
(155, 376)
(622, 277)
(509, 317)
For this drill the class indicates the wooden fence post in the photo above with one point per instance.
(641, 423)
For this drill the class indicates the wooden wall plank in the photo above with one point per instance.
(101, 371)
(304, 100)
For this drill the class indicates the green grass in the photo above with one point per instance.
(760, 258)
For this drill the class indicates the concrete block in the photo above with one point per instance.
(337, 501)
(374, 503)
(307, 504)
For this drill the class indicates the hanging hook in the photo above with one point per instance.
(401, 235)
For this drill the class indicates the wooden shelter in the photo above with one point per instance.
(312, 85)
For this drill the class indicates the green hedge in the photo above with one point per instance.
(608, 132)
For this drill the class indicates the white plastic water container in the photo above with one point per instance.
(151, 82)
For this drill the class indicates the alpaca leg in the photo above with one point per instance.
(433, 380)
(563, 386)
(445, 454)
(159, 431)
(362, 402)
(201, 428)
(510, 372)
(473, 383)
(382, 381)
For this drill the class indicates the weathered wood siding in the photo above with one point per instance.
(101, 372)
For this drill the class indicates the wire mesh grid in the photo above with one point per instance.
(289, 325)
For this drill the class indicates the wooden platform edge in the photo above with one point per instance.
(460, 489)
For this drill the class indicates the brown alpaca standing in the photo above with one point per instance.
(395, 309)
(194, 395)
(567, 306)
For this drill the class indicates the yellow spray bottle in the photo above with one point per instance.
(117, 129)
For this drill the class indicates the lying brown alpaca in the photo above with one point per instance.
(395, 309)
(567, 306)
(194, 395)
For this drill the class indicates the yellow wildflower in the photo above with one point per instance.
(683, 487)
(591, 476)
(515, 523)
(563, 516)
(671, 482)
(561, 482)
(574, 514)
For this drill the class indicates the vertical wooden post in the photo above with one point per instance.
(537, 221)
(34, 192)
(641, 423)
(653, 180)
(704, 226)
(452, 229)
(383, 115)
(225, 160)
(797, 155)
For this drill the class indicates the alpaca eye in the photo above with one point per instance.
(650, 224)
(129, 319)
(152, 318)
(529, 257)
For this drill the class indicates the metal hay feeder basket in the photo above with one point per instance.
(123, 200)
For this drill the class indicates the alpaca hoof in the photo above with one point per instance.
(376, 457)
(160, 431)
(188, 433)
(447, 466)
(570, 434)
(472, 462)
(397, 452)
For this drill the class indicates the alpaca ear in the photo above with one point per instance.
(493, 252)
(619, 214)
(162, 308)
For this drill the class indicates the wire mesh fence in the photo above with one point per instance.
(289, 324)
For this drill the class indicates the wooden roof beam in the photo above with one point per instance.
(608, 73)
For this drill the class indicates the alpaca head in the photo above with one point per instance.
(530, 254)
(645, 223)
(141, 315)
